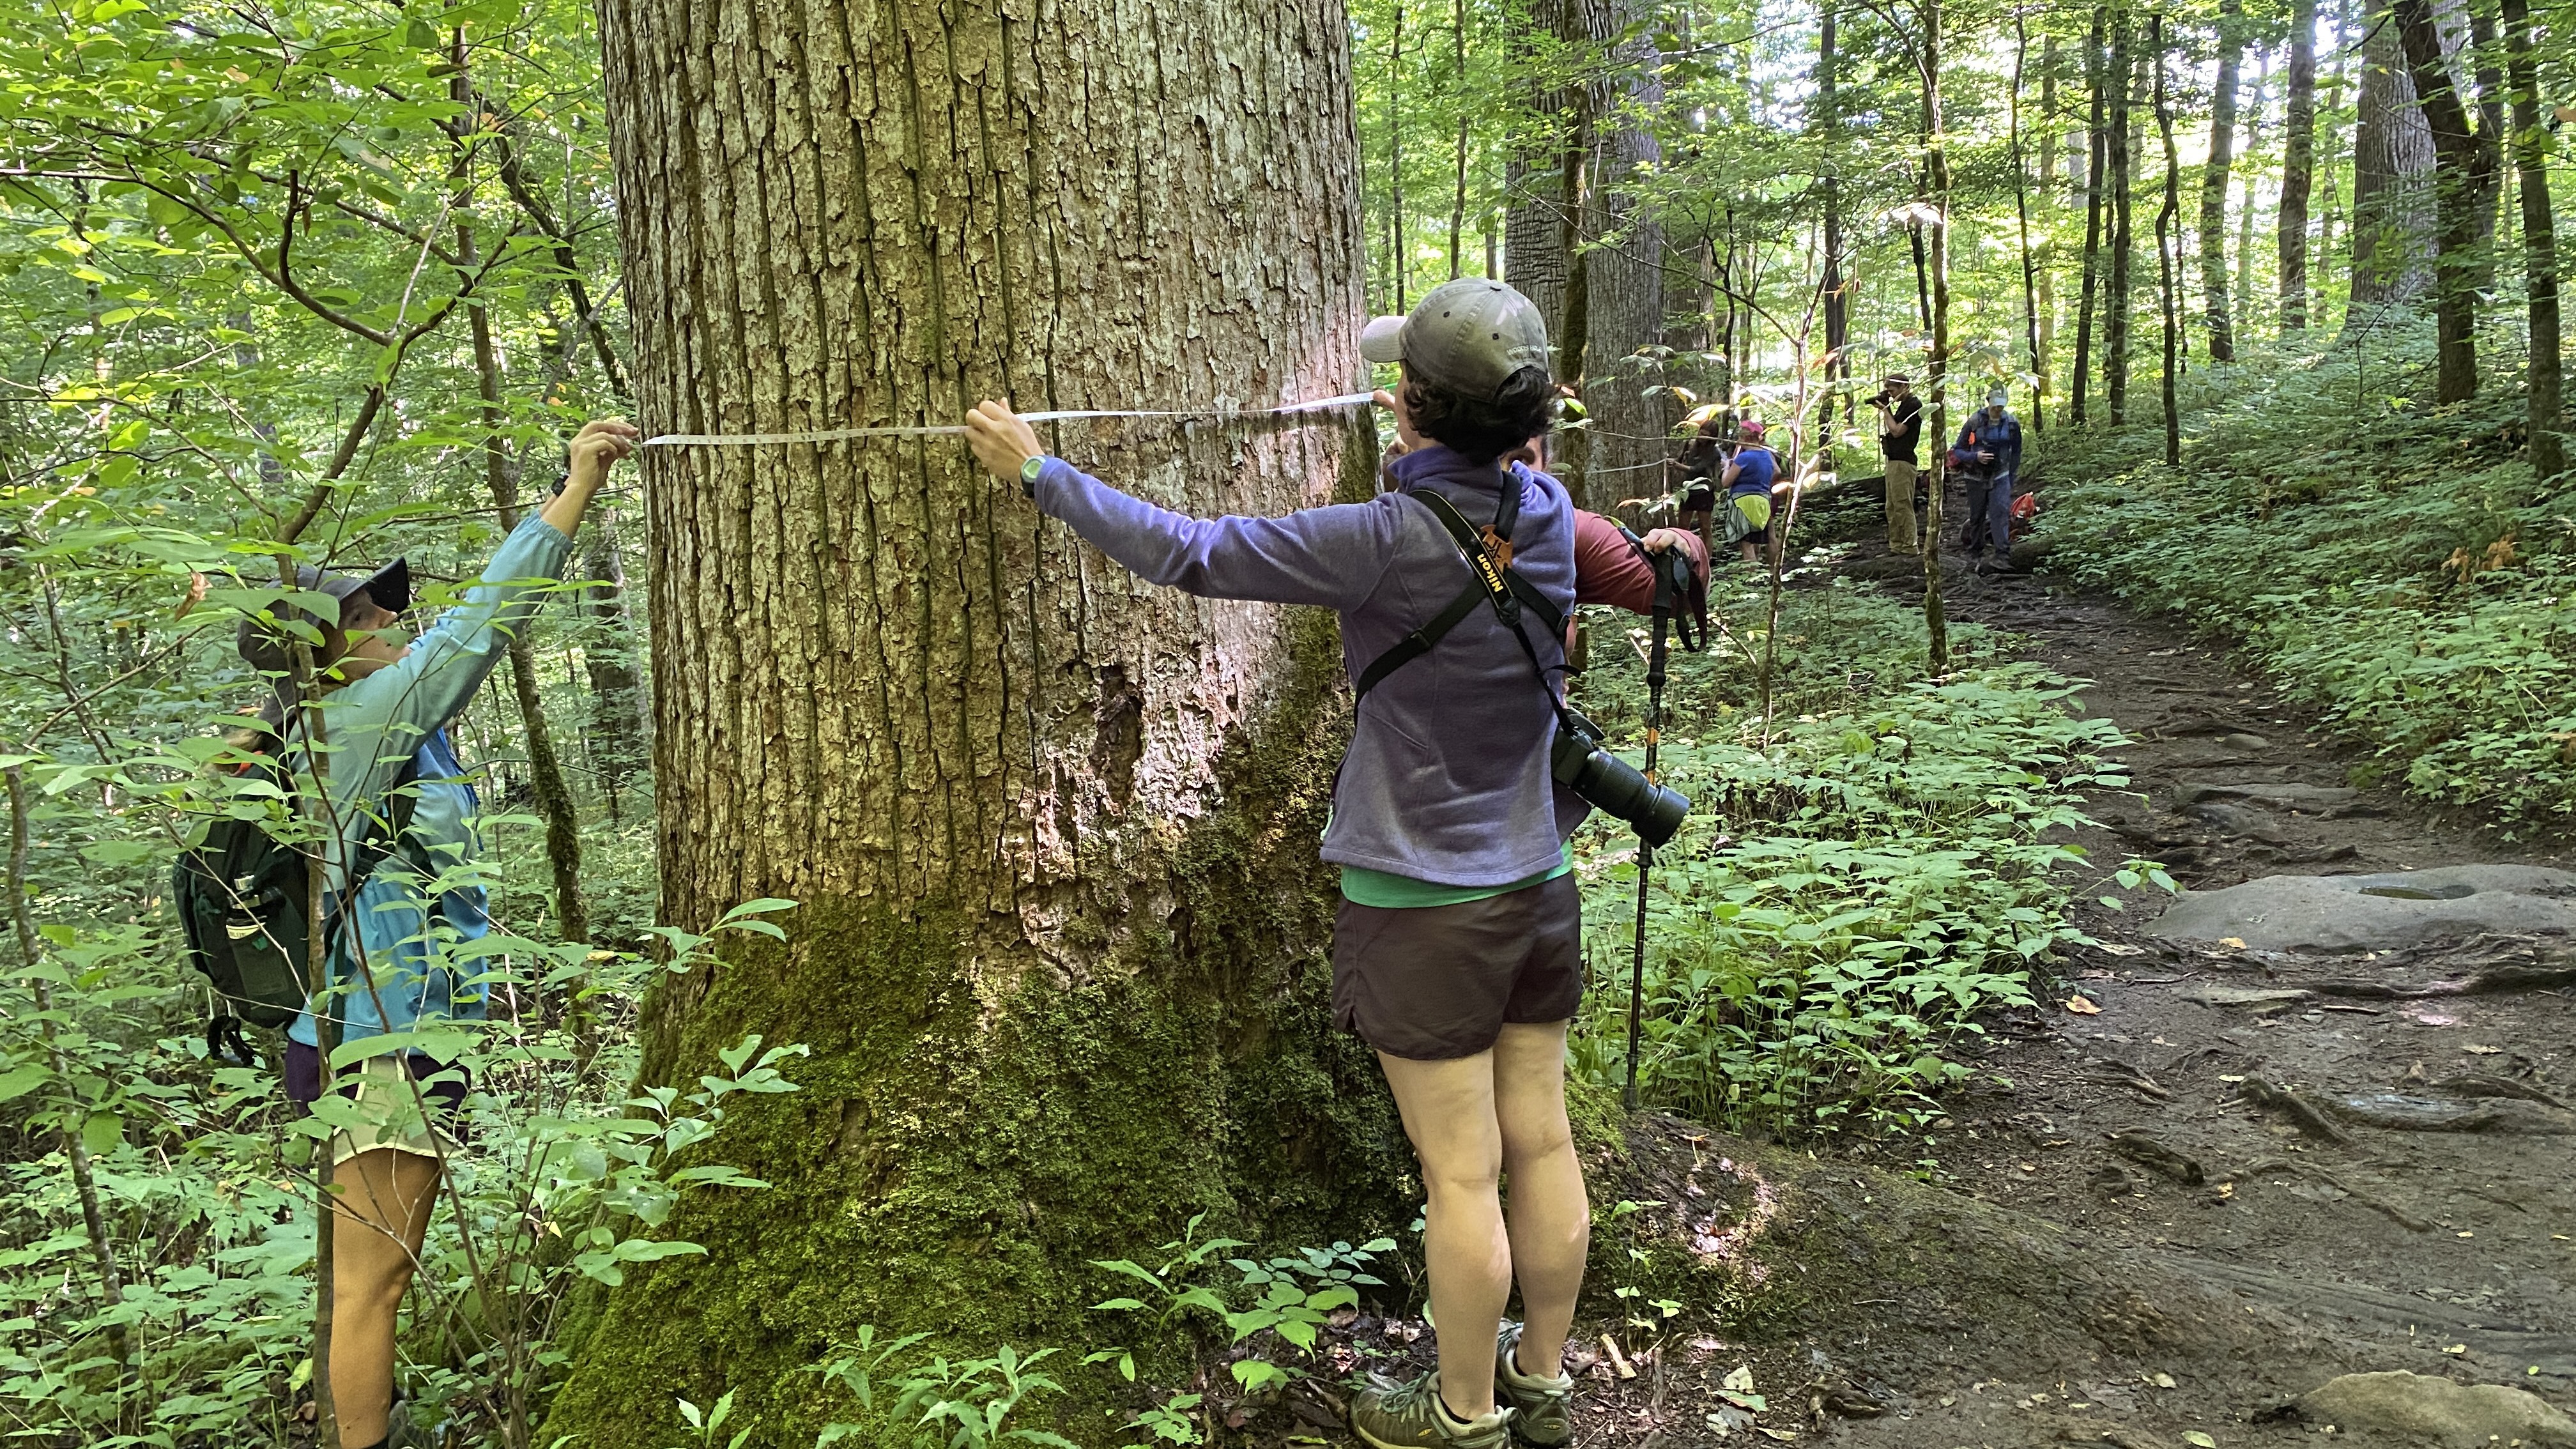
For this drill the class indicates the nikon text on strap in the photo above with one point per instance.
(1487, 552)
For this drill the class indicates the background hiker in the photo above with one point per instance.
(1702, 457)
(1900, 439)
(1456, 950)
(1751, 470)
(1987, 455)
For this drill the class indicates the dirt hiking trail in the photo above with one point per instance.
(2323, 1131)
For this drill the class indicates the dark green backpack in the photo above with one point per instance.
(241, 896)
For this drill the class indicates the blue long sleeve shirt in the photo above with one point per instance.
(1446, 777)
(370, 727)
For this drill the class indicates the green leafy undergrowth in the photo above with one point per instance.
(1847, 894)
(2394, 564)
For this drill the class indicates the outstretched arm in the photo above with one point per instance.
(1332, 556)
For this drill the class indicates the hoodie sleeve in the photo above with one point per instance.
(1333, 556)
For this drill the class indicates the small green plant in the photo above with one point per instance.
(944, 1403)
(707, 1423)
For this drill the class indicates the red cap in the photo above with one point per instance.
(1750, 429)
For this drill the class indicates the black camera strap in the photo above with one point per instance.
(1488, 555)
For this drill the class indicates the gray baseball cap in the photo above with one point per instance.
(270, 649)
(1468, 337)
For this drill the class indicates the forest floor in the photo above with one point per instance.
(2119, 1243)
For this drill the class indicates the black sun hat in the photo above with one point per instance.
(268, 646)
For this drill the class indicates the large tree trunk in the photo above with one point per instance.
(2464, 194)
(2214, 180)
(2253, 115)
(2168, 246)
(2548, 449)
(2298, 157)
(2392, 176)
(1059, 951)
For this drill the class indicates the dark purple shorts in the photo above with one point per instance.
(1433, 983)
(304, 1082)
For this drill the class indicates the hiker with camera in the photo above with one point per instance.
(1900, 440)
(396, 810)
(1457, 947)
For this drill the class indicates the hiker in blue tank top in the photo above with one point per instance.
(1457, 948)
(386, 701)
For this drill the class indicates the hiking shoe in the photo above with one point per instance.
(1391, 1415)
(1542, 1407)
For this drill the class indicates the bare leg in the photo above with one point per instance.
(1448, 1109)
(385, 1202)
(1551, 1218)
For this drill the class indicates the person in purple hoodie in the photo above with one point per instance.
(1456, 953)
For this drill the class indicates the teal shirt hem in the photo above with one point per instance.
(1364, 887)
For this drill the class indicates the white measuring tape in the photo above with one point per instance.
(835, 435)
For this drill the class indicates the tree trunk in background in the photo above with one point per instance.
(1458, 92)
(2539, 245)
(2096, 81)
(2464, 190)
(2214, 179)
(2119, 298)
(1398, 255)
(2021, 215)
(2048, 139)
(1623, 284)
(2243, 307)
(2168, 245)
(545, 768)
(1059, 952)
(1836, 291)
(621, 742)
(1936, 176)
(2392, 176)
(2298, 153)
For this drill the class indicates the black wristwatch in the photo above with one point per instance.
(1029, 474)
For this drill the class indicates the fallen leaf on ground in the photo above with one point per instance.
(2082, 1006)
(2482, 1051)
(2237, 942)
(2199, 1440)
(2116, 948)
(2162, 1381)
(1783, 1435)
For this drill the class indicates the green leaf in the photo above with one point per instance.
(419, 34)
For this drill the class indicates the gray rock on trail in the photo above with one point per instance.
(2465, 1416)
(2393, 911)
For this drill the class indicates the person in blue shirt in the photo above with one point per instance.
(1987, 456)
(386, 700)
(1750, 474)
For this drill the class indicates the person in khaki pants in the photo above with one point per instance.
(1900, 437)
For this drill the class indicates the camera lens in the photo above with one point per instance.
(1614, 786)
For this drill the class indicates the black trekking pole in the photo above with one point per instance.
(1668, 567)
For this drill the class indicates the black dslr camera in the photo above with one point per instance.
(1612, 785)
(1883, 399)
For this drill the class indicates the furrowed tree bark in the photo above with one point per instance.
(2531, 144)
(1060, 948)
(2298, 157)
(2096, 71)
(2464, 189)
(2392, 175)
(2214, 181)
